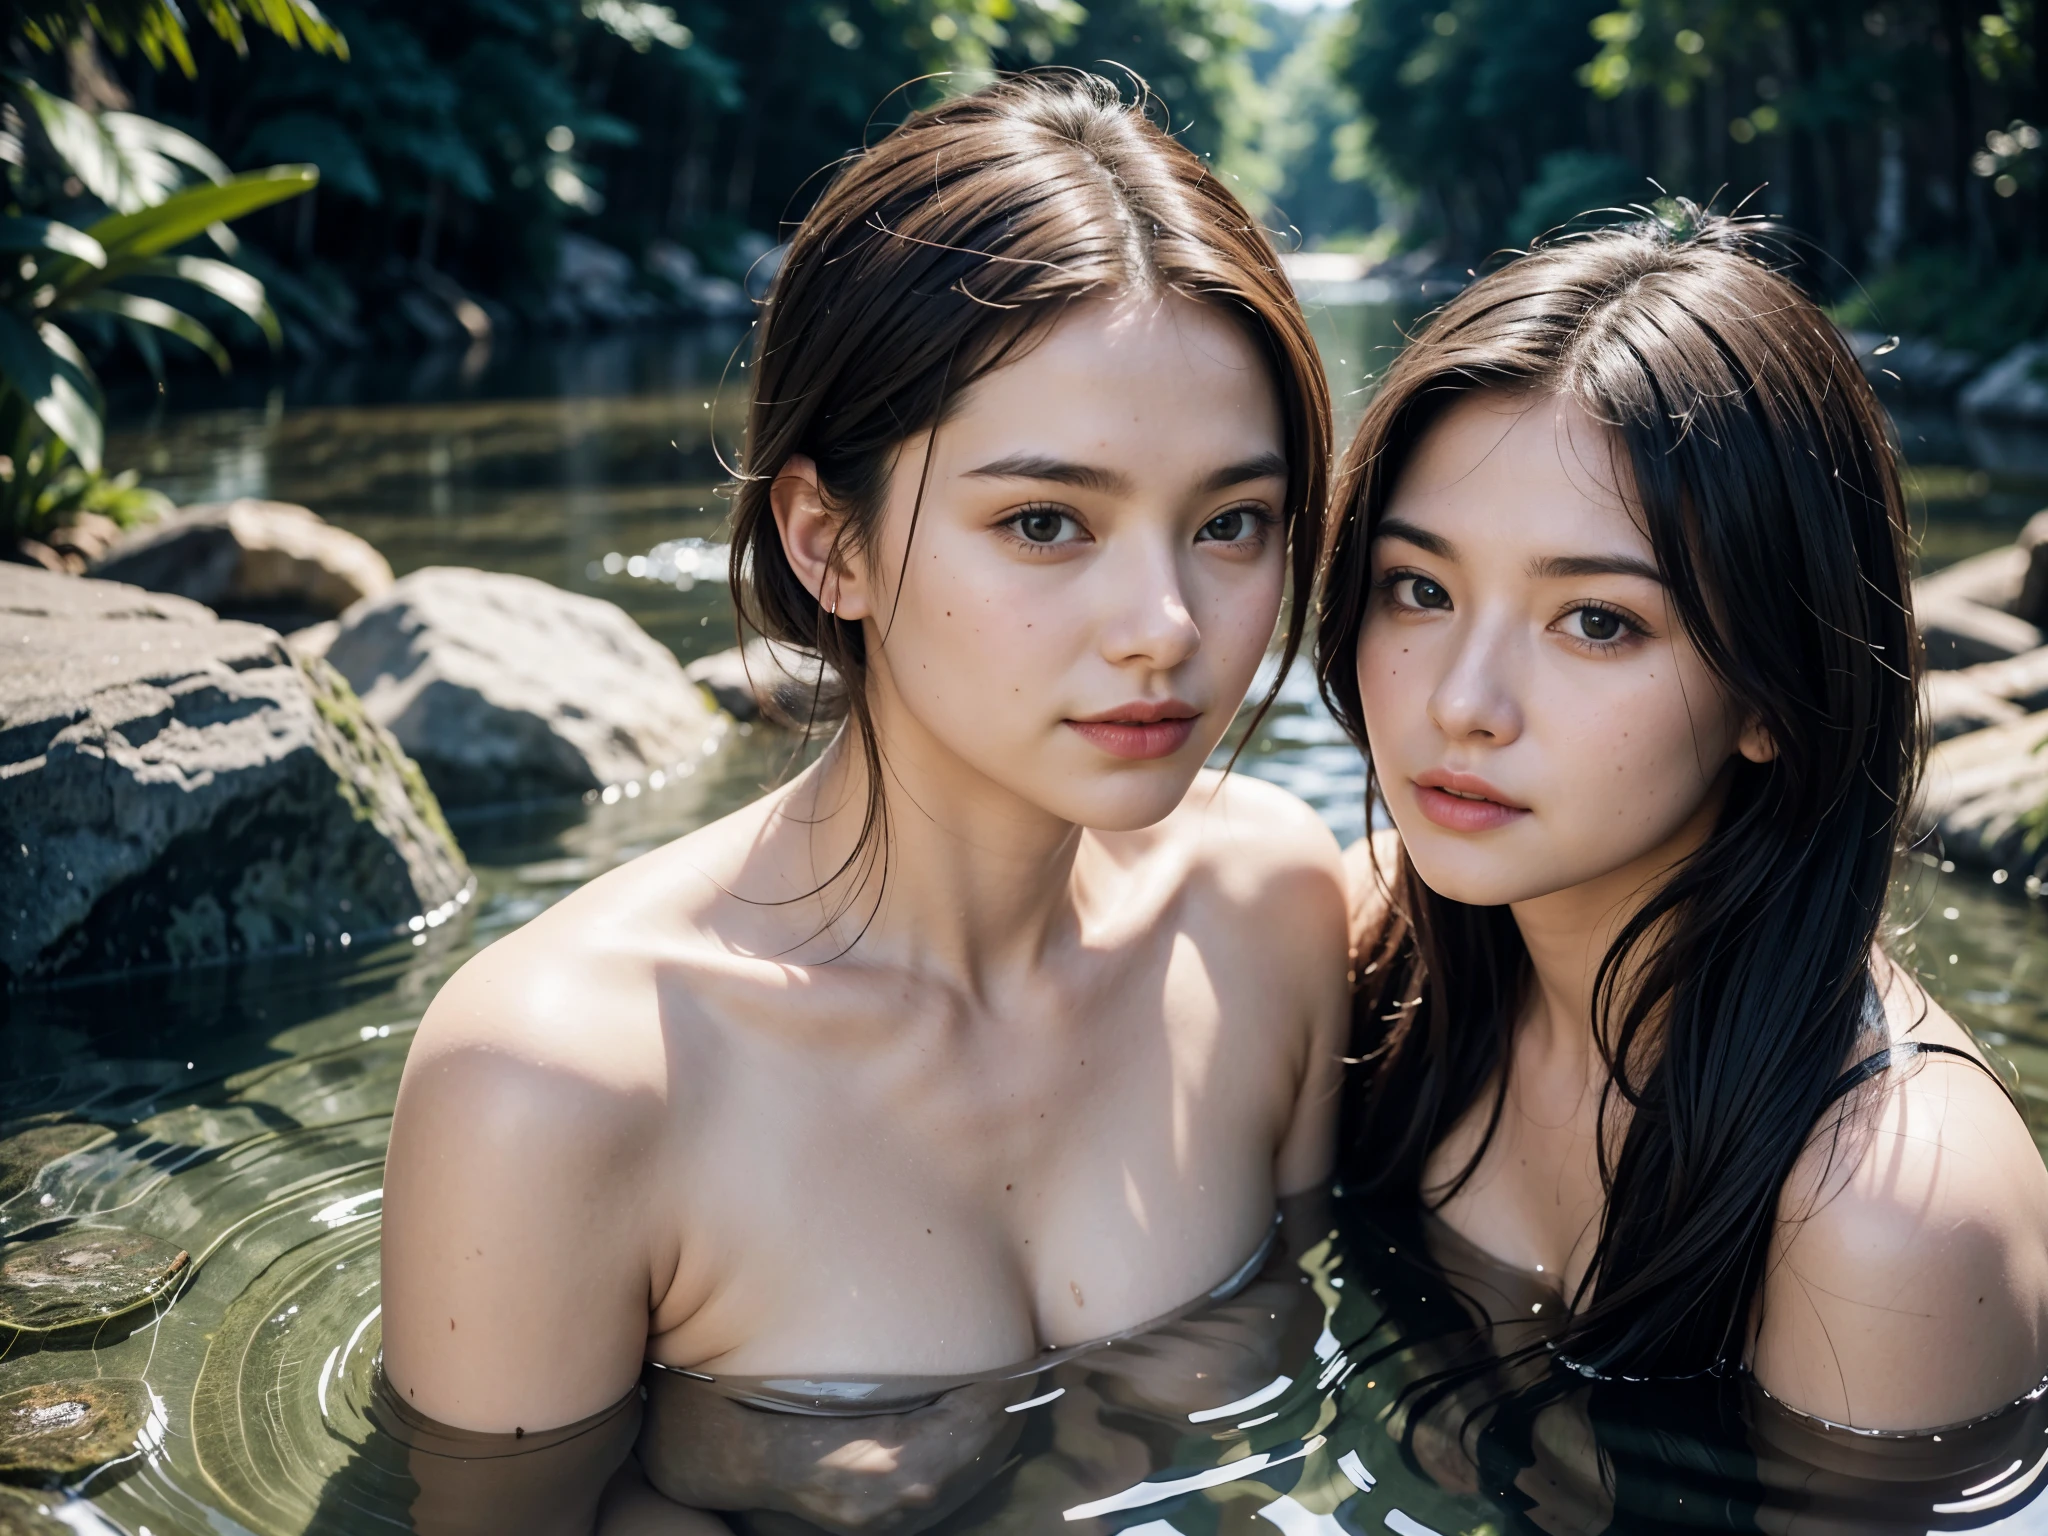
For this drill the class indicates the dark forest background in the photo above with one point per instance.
(461, 140)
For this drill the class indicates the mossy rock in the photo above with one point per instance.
(27, 1153)
(86, 1275)
(23, 1513)
(60, 1429)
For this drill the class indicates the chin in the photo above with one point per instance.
(1478, 876)
(1127, 801)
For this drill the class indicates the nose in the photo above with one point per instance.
(1475, 699)
(1147, 622)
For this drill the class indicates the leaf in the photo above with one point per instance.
(154, 312)
(146, 136)
(180, 217)
(37, 234)
(46, 366)
(227, 283)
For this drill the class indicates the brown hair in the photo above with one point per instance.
(930, 260)
(1762, 469)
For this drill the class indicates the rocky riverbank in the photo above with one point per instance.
(1985, 622)
(180, 784)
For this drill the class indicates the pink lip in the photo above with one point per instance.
(1455, 812)
(1141, 730)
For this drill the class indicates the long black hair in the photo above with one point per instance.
(1766, 478)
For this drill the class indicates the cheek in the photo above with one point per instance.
(1645, 745)
(1392, 677)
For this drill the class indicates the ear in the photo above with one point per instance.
(811, 528)
(1756, 743)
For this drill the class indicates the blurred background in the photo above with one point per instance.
(554, 165)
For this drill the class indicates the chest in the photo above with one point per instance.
(1534, 1198)
(959, 1190)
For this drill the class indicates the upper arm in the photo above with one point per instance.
(1908, 1286)
(516, 1271)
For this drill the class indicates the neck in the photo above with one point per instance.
(960, 876)
(1569, 932)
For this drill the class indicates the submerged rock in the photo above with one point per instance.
(505, 689)
(267, 560)
(175, 789)
(26, 1513)
(25, 1154)
(85, 1275)
(58, 1429)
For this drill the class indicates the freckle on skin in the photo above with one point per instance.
(451, 1325)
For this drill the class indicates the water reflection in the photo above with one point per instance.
(241, 1114)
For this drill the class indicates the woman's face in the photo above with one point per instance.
(1538, 719)
(1096, 567)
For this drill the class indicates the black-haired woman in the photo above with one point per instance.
(1619, 609)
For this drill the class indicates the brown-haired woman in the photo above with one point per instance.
(1004, 1025)
(1620, 611)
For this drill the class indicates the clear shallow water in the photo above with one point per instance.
(246, 1110)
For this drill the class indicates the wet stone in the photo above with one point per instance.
(27, 1153)
(59, 1429)
(23, 1513)
(84, 1276)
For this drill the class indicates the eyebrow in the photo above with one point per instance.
(1035, 466)
(1544, 567)
(1110, 482)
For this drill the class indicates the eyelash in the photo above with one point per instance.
(1259, 515)
(1040, 509)
(1628, 621)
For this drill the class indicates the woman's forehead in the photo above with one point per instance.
(1519, 470)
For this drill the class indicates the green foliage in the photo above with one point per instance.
(157, 27)
(1941, 295)
(1575, 186)
(116, 270)
(1464, 100)
(1300, 156)
(467, 136)
(1872, 128)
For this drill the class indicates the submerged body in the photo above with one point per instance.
(1004, 1025)
(1624, 640)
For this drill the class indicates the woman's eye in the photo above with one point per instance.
(1232, 527)
(1424, 593)
(1040, 525)
(1596, 625)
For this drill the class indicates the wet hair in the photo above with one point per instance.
(1761, 467)
(939, 254)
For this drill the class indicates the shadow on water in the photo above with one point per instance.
(241, 1113)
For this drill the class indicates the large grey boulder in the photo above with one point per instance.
(1994, 693)
(506, 689)
(1989, 607)
(281, 564)
(1983, 791)
(175, 789)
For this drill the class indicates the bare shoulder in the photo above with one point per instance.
(1908, 1286)
(1369, 868)
(1253, 830)
(551, 1082)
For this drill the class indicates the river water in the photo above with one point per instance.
(246, 1109)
